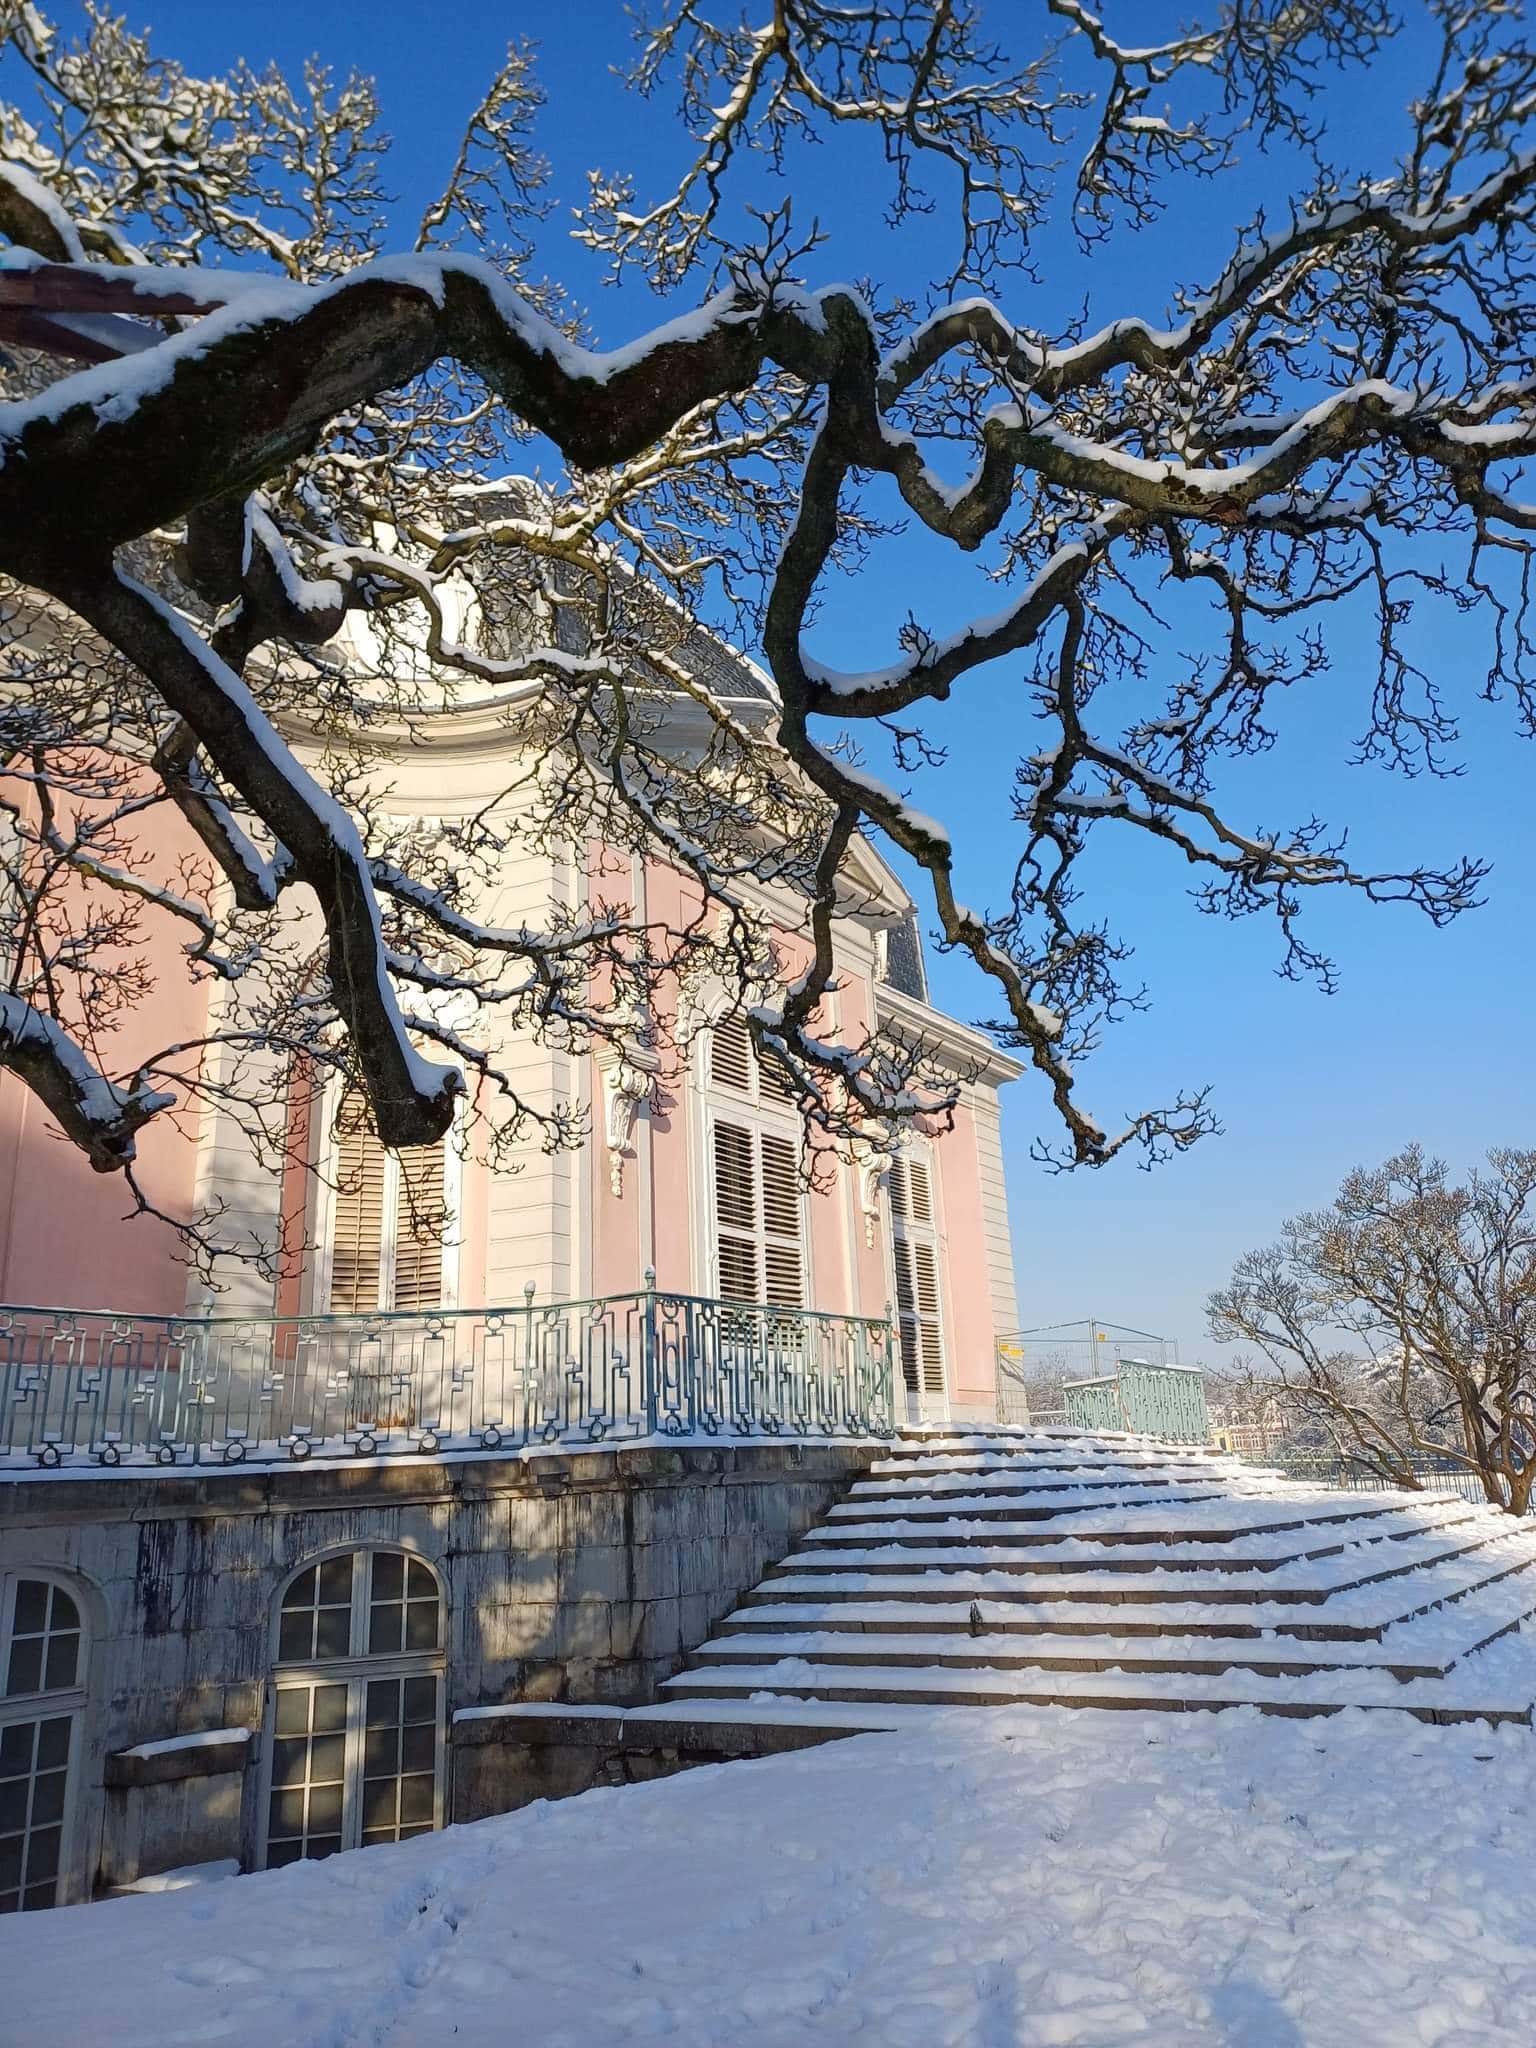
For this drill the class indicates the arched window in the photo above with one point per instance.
(42, 1662)
(354, 1747)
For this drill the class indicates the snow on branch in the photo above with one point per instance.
(278, 497)
(96, 1114)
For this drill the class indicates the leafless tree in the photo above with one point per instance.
(209, 470)
(1402, 1320)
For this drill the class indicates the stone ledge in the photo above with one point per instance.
(397, 1479)
(210, 1754)
(533, 1725)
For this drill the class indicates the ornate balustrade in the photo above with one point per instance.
(1155, 1400)
(86, 1386)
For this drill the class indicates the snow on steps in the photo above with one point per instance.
(1060, 1568)
(939, 1604)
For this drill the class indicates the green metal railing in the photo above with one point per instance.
(118, 1389)
(1153, 1400)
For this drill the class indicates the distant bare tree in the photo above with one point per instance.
(1401, 1321)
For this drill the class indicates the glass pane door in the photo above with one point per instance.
(34, 1776)
(399, 1759)
(305, 1816)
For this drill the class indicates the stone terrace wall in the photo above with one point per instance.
(581, 1576)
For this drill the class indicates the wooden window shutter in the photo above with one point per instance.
(915, 1262)
(773, 1084)
(357, 1230)
(783, 1263)
(419, 1220)
(925, 1267)
(906, 1310)
(733, 1064)
(736, 1211)
(387, 1224)
(730, 1055)
(757, 1216)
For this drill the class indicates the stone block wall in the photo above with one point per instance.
(575, 1576)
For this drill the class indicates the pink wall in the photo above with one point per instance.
(64, 1240)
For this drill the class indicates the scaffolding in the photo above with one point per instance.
(1095, 1374)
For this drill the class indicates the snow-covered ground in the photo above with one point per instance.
(994, 1878)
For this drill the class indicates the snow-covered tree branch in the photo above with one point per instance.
(237, 430)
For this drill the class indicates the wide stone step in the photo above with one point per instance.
(916, 1616)
(1321, 1693)
(1052, 1484)
(1028, 1504)
(1297, 1578)
(941, 1454)
(1231, 1522)
(985, 1651)
(1034, 1456)
(989, 1483)
(934, 1452)
(1387, 1600)
(1358, 1616)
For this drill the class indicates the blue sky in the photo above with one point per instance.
(1428, 1037)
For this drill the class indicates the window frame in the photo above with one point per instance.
(356, 1671)
(321, 1264)
(923, 1402)
(52, 1703)
(762, 1115)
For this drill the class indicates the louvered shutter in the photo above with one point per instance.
(373, 1266)
(773, 1083)
(357, 1228)
(783, 1274)
(760, 1256)
(736, 1212)
(734, 1065)
(915, 1260)
(419, 1220)
(730, 1055)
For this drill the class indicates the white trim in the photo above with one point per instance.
(725, 1105)
(922, 1406)
(971, 1048)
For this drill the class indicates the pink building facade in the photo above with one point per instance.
(688, 1179)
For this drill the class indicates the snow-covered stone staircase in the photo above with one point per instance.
(1054, 1567)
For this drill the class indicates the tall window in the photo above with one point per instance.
(754, 1165)
(355, 1741)
(915, 1261)
(42, 1658)
(389, 1222)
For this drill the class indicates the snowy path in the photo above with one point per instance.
(1013, 1879)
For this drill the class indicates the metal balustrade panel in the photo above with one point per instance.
(88, 1386)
